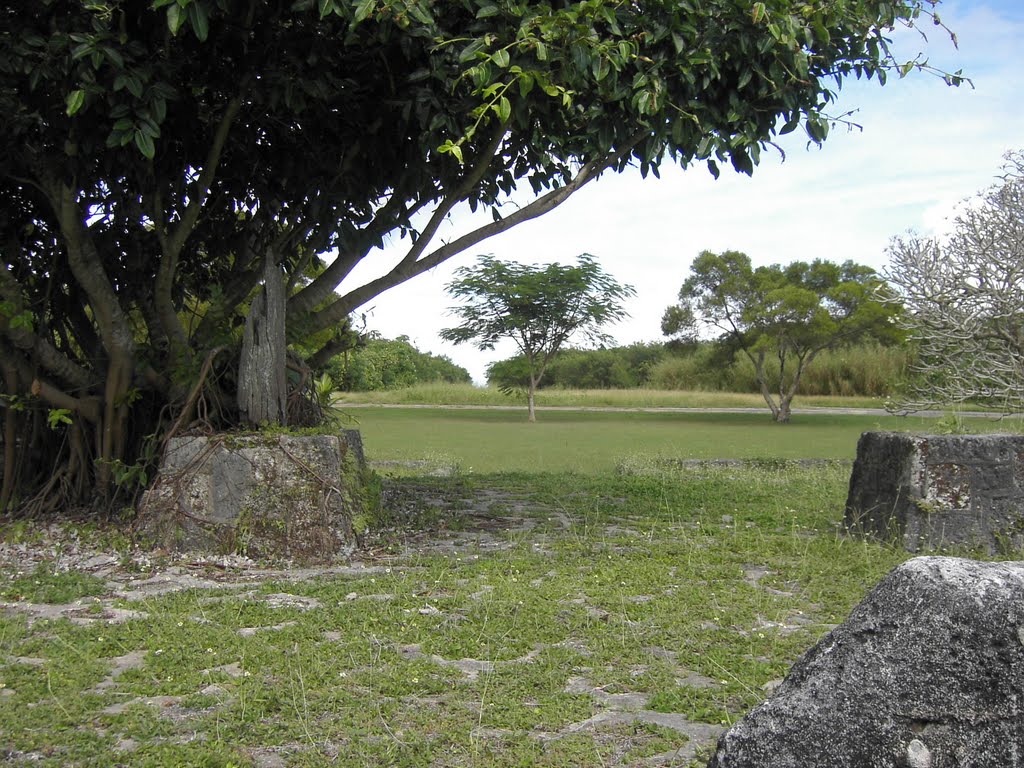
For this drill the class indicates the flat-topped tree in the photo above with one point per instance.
(538, 308)
(159, 153)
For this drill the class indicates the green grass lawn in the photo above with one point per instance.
(499, 621)
(600, 442)
(570, 597)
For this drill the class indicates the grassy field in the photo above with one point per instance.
(475, 441)
(569, 597)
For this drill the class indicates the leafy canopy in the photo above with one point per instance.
(539, 308)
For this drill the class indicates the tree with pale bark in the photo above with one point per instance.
(964, 299)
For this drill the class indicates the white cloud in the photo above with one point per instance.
(924, 147)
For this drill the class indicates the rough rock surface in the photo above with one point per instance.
(934, 491)
(277, 496)
(927, 672)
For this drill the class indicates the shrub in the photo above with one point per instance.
(614, 368)
(392, 364)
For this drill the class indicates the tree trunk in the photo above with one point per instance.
(766, 393)
(10, 437)
(262, 381)
(782, 413)
(531, 413)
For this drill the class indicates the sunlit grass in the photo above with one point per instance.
(467, 394)
(595, 442)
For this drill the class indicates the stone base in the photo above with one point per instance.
(264, 496)
(930, 492)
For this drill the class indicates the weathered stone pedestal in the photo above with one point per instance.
(930, 492)
(265, 496)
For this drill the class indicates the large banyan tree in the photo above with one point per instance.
(186, 185)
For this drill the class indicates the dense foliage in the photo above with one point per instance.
(965, 302)
(163, 160)
(392, 363)
(606, 368)
(787, 314)
(864, 370)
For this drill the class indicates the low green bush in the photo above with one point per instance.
(392, 364)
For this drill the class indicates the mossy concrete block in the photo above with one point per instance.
(265, 496)
(929, 492)
(927, 672)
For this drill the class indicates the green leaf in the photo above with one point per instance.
(75, 100)
(418, 13)
(56, 417)
(488, 11)
(501, 58)
(145, 144)
(504, 109)
(450, 147)
(148, 127)
(363, 11)
(134, 86)
(526, 83)
(114, 56)
(470, 51)
(198, 19)
(175, 18)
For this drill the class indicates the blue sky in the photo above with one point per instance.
(923, 148)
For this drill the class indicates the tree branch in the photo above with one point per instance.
(42, 350)
(407, 269)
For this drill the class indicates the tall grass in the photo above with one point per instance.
(868, 370)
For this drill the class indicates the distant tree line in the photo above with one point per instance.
(865, 370)
(380, 363)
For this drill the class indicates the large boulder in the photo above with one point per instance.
(262, 495)
(929, 492)
(927, 672)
